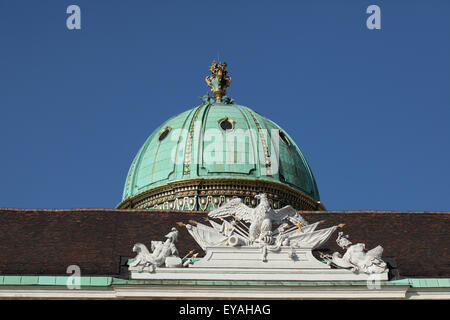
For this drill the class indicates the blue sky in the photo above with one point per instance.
(369, 109)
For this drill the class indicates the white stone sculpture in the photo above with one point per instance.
(357, 259)
(206, 236)
(262, 218)
(163, 253)
(257, 244)
(343, 241)
(269, 228)
(279, 238)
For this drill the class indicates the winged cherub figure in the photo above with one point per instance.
(262, 218)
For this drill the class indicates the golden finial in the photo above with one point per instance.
(181, 224)
(299, 225)
(193, 222)
(219, 79)
(340, 225)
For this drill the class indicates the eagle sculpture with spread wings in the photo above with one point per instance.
(262, 218)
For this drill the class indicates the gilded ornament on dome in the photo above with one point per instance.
(219, 79)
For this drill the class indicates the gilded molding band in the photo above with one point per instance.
(207, 194)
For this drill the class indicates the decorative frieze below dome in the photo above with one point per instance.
(208, 194)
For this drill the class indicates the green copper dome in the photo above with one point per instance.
(212, 153)
(193, 144)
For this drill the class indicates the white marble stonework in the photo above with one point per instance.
(258, 244)
(256, 274)
(250, 257)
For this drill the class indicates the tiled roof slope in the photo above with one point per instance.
(38, 241)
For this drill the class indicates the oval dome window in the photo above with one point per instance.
(164, 133)
(284, 137)
(226, 124)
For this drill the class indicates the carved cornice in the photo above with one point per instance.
(207, 194)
